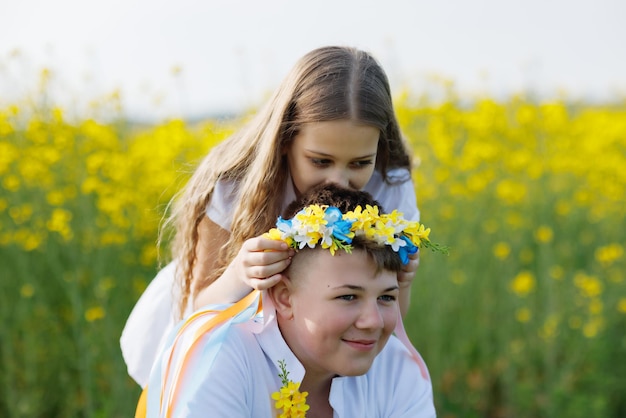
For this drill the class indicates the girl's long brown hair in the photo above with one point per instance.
(328, 83)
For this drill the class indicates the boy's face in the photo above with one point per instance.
(341, 312)
(340, 151)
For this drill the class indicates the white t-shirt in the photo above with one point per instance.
(153, 316)
(393, 387)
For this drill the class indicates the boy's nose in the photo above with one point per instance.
(371, 317)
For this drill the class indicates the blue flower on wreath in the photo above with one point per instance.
(406, 250)
(339, 228)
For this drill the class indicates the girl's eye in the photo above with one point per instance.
(347, 297)
(388, 298)
(362, 163)
(321, 162)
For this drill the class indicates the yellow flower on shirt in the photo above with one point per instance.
(289, 399)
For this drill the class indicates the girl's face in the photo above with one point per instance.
(341, 151)
(341, 312)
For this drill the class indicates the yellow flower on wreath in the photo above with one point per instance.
(289, 399)
(275, 234)
(333, 230)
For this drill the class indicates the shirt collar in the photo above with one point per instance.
(274, 345)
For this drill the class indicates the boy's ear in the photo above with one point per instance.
(280, 294)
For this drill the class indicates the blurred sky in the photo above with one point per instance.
(232, 52)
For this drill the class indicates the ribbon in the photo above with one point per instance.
(401, 334)
(171, 375)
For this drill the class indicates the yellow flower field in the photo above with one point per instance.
(525, 318)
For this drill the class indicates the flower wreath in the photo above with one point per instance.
(335, 230)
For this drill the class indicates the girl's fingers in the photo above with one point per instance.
(413, 264)
(260, 251)
(263, 271)
(267, 258)
(407, 274)
(263, 260)
(405, 278)
(264, 244)
(263, 284)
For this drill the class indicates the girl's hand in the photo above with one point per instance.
(261, 261)
(405, 277)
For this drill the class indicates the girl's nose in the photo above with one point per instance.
(341, 178)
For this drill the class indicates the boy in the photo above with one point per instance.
(324, 343)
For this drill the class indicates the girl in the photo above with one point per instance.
(331, 120)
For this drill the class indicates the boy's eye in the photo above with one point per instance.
(387, 298)
(347, 297)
